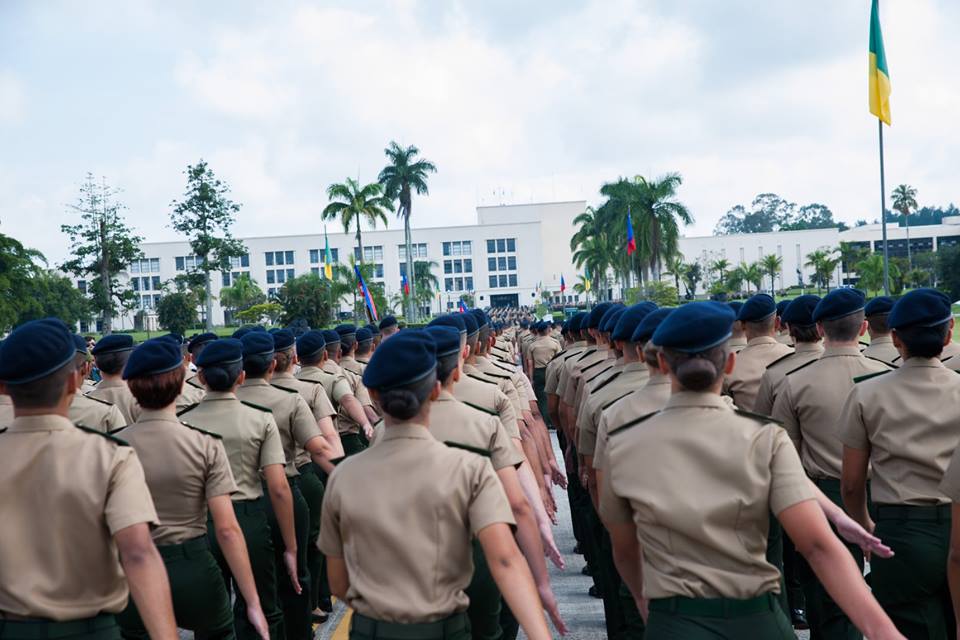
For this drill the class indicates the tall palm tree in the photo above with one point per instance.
(657, 225)
(823, 262)
(753, 273)
(425, 283)
(720, 267)
(905, 199)
(243, 294)
(404, 175)
(591, 244)
(676, 268)
(771, 265)
(352, 204)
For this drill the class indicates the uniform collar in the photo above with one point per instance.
(881, 340)
(107, 383)
(362, 361)
(634, 366)
(219, 395)
(917, 362)
(284, 376)
(308, 371)
(330, 367)
(47, 422)
(841, 351)
(696, 399)
(738, 341)
(410, 430)
(445, 396)
(659, 378)
(5, 400)
(348, 359)
(255, 382)
(761, 340)
(154, 415)
(808, 347)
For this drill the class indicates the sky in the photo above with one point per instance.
(515, 102)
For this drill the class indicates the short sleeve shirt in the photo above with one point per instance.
(294, 419)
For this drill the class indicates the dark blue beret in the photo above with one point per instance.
(649, 324)
(757, 307)
(80, 343)
(331, 336)
(35, 350)
(222, 351)
(176, 337)
(113, 343)
(447, 339)
(630, 319)
(695, 327)
(782, 306)
(470, 322)
(388, 321)
(344, 330)
(735, 306)
(799, 313)
(524, 324)
(170, 337)
(878, 306)
(259, 327)
(454, 320)
(153, 357)
(201, 339)
(610, 318)
(283, 339)
(364, 335)
(242, 331)
(920, 308)
(373, 329)
(839, 303)
(257, 343)
(595, 315)
(480, 317)
(310, 343)
(577, 321)
(58, 323)
(408, 357)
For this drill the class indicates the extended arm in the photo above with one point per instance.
(147, 576)
(282, 502)
(853, 485)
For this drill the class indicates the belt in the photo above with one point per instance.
(715, 607)
(304, 469)
(41, 629)
(932, 513)
(189, 549)
(248, 507)
(828, 484)
(447, 627)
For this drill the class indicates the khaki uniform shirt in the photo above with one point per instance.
(705, 536)
(773, 377)
(116, 392)
(57, 557)
(486, 396)
(570, 385)
(569, 364)
(189, 395)
(335, 385)
(737, 345)
(595, 375)
(556, 366)
(809, 405)
(345, 424)
(785, 338)
(294, 419)
(446, 496)
(6, 410)
(881, 348)
(542, 350)
(519, 381)
(907, 420)
(744, 383)
(632, 377)
(503, 384)
(315, 397)
(250, 438)
(352, 365)
(185, 467)
(95, 414)
(641, 403)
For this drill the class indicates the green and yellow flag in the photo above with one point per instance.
(879, 75)
(327, 260)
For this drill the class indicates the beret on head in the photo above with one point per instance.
(578, 320)
(878, 306)
(283, 339)
(176, 337)
(839, 303)
(455, 320)
(388, 321)
(645, 330)
(113, 343)
(222, 351)
(782, 306)
(758, 307)
(480, 317)
(447, 339)
(595, 315)
(35, 350)
(470, 322)
(153, 357)
(735, 306)
(364, 335)
(344, 330)
(695, 327)
(373, 329)
(630, 319)
(242, 331)
(331, 336)
(408, 357)
(200, 340)
(799, 313)
(920, 308)
(80, 343)
(610, 318)
(257, 343)
(310, 343)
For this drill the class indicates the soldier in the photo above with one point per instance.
(809, 404)
(102, 515)
(186, 470)
(355, 435)
(110, 355)
(738, 340)
(388, 327)
(90, 412)
(348, 349)
(881, 344)
(194, 349)
(704, 571)
(759, 320)
(375, 333)
(447, 496)
(807, 347)
(783, 330)
(365, 346)
(540, 352)
(903, 426)
(253, 446)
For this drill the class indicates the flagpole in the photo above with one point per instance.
(883, 216)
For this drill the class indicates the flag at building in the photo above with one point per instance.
(327, 260)
(461, 306)
(404, 284)
(586, 278)
(563, 285)
(365, 294)
(879, 81)
(631, 243)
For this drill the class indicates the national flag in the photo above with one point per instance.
(586, 278)
(327, 260)
(879, 82)
(563, 285)
(404, 284)
(631, 243)
(462, 307)
(365, 294)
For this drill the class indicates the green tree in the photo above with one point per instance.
(661, 293)
(753, 273)
(676, 268)
(177, 312)
(720, 266)
(352, 204)
(870, 271)
(205, 216)
(823, 262)
(692, 275)
(592, 244)
(308, 297)
(948, 266)
(101, 246)
(850, 255)
(266, 311)
(18, 265)
(425, 283)
(49, 294)
(404, 175)
(736, 278)
(242, 294)
(771, 265)
(905, 200)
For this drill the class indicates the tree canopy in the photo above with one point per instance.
(769, 212)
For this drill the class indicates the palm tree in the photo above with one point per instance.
(753, 273)
(905, 199)
(404, 175)
(720, 267)
(677, 269)
(823, 262)
(736, 277)
(425, 283)
(771, 265)
(243, 294)
(870, 270)
(353, 203)
(590, 244)
(582, 286)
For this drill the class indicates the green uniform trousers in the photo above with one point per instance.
(200, 600)
(312, 488)
(539, 389)
(716, 618)
(775, 557)
(101, 627)
(483, 613)
(297, 622)
(912, 585)
(633, 625)
(256, 532)
(352, 443)
(456, 627)
(609, 581)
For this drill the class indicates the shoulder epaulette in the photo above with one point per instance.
(616, 400)
(495, 375)
(632, 423)
(605, 382)
(257, 406)
(567, 357)
(864, 344)
(895, 359)
(781, 359)
(759, 417)
(889, 364)
(868, 376)
(203, 431)
(804, 365)
(478, 407)
(585, 354)
(106, 402)
(3, 430)
(287, 389)
(477, 450)
(947, 358)
(310, 380)
(194, 384)
(476, 377)
(187, 408)
(591, 366)
(122, 443)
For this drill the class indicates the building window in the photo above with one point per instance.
(512, 263)
(448, 266)
(135, 284)
(145, 265)
(272, 292)
(240, 261)
(458, 283)
(314, 256)
(457, 248)
(501, 245)
(370, 253)
(271, 276)
(468, 283)
(513, 279)
(268, 258)
(156, 283)
(504, 282)
(491, 246)
(468, 265)
(315, 271)
(378, 271)
(419, 250)
(501, 263)
(493, 282)
(448, 284)
(511, 244)
(491, 264)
